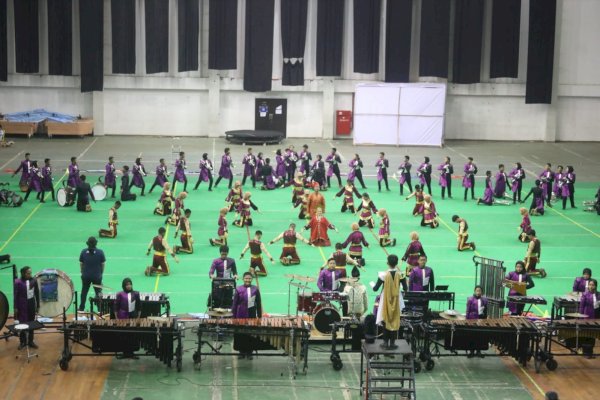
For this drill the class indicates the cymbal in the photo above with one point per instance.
(576, 315)
(350, 280)
(101, 287)
(445, 315)
(305, 278)
(290, 276)
(298, 285)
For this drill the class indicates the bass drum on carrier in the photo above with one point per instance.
(65, 197)
(56, 292)
(99, 192)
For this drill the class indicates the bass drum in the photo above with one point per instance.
(65, 197)
(3, 310)
(99, 192)
(325, 315)
(56, 292)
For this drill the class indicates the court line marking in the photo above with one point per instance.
(575, 222)
(11, 160)
(530, 378)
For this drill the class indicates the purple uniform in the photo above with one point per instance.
(35, 179)
(138, 172)
(517, 175)
(206, 169)
(280, 169)
(580, 285)
(546, 177)
(488, 193)
(246, 302)
(404, 172)
(421, 279)
(224, 268)
(477, 307)
(445, 175)
(500, 187)
(305, 158)
(329, 280)
(25, 168)
(73, 179)
(470, 170)
(47, 178)
(516, 277)
(127, 305)
(109, 175)
(249, 162)
(590, 305)
(161, 175)
(225, 170)
(381, 166)
(180, 170)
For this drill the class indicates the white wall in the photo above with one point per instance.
(210, 102)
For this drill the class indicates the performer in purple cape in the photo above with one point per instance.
(206, 169)
(421, 277)
(488, 193)
(246, 304)
(180, 167)
(110, 180)
(291, 162)
(424, 174)
(224, 266)
(518, 275)
(547, 179)
(318, 171)
(139, 172)
(356, 240)
(225, 169)
(73, 179)
(537, 202)
(334, 161)
(280, 170)
(47, 185)
(260, 163)
(305, 159)
(356, 166)
(558, 182)
(590, 306)
(500, 188)
(127, 302)
(568, 187)
(329, 278)
(446, 170)
(26, 304)
(404, 175)
(477, 305)
(516, 181)
(35, 182)
(382, 166)
(269, 178)
(161, 175)
(249, 163)
(581, 284)
(470, 170)
(25, 168)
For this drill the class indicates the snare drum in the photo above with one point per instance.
(304, 301)
(326, 296)
(325, 314)
(65, 197)
(99, 192)
(56, 292)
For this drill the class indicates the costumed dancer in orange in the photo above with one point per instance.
(315, 200)
(318, 226)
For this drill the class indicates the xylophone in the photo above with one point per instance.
(565, 304)
(155, 335)
(152, 304)
(527, 299)
(570, 334)
(289, 334)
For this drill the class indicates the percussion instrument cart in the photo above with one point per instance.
(349, 328)
(74, 334)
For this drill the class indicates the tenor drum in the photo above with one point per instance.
(304, 301)
(65, 197)
(325, 314)
(99, 192)
(56, 292)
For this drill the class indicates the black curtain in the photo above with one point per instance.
(506, 28)
(60, 37)
(122, 15)
(293, 39)
(540, 53)
(222, 34)
(367, 22)
(330, 34)
(397, 40)
(26, 36)
(3, 43)
(435, 36)
(258, 55)
(91, 44)
(188, 28)
(157, 36)
(468, 36)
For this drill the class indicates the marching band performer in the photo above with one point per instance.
(127, 303)
(463, 234)
(222, 232)
(224, 266)
(445, 181)
(518, 276)
(488, 193)
(477, 305)
(366, 215)
(315, 200)
(349, 190)
(280, 169)
(256, 249)
(558, 182)
(390, 302)
(225, 170)
(419, 197)
(162, 175)
(126, 195)
(83, 190)
(568, 187)
(35, 182)
(525, 226)
(589, 305)
(246, 304)
(289, 255)
(424, 174)
(165, 201)
(318, 226)
(404, 175)
(342, 259)
(356, 166)
(429, 213)
(113, 221)
(47, 179)
(501, 179)
(138, 172)
(533, 256)
(333, 159)
(318, 172)
(110, 179)
(260, 163)
(73, 169)
(582, 283)
(382, 165)
(305, 159)
(26, 304)
(186, 233)
(159, 260)
(249, 163)
(537, 202)
(206, 169)
(470, 171)
(329, 278)
(297, 187)
(25, 168)
(356, 240)
(421, 278)
(303, 203)
(291, 161)
(547, 179)
(173, 219)
(516, 181)
(180, 167)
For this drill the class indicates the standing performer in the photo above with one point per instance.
(429, 213)
(413, 252)
(225, 170)
(366, 215)
(113, 221)
(333, 159)
(470, 171)
(234, 196)
(463, 234)
(173, 219)
(382, 165)
(488, 193)
(73, 179)
(356, 293)
(477, 309)
(110, 178)
(224, 266)
(305, 159)
(47, 185)
(205, 175)
(289, 255)
(318, 172)
(329, 278)
(315, 200)
(303, 203)
(590, 306)
(384, 229)
(525, 226)
(568, 187)
(318, 226)
(558, 182)
(421, 277)
(349, 190)
(258, 169)
(547, 179)
(419, 197)
(280, 169)
(582, 283)
(533, 256)
(356, 166)
(222, 232)
(246, 304)
(447, 170)
(162, 175)
(297, 187)
(126, 195)
(91, 264)
(127, 303)
(291, 161)
(341, 260)
(139, 172)
(390, 302)
(159, 260)
(518, 276)
(186, 234)
(35, 182)
(404, 175)
(537, 202)
(356, 240)
(166, 199)
(25, 168)
(424, 174)
(180, 167)
(83, 190)
(249, 163)
(244, 211)
(500, 188)
(516, 181)
(26, 304)
(256, 249)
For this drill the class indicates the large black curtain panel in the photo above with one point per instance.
(293, 39)
(435, 33)
(157, 36)
(540, 53)
(506, 28)
(26, 36)
(222, 34)
(468, 35)
(60, 37)
(397, 40)
(91, 43)
(367, 23)
(3, 43)
(258, 55)
(122, 16)
(188, 28)
(330, 35)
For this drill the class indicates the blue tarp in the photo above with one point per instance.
(39, 115)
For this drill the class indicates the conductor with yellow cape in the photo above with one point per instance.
(391, 302)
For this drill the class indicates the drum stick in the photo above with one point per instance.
(377, 239)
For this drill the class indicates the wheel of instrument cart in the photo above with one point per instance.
(333, 357)
(64, 364)
(338, 364)
(551, 364)
(417, 367)
(423, 356)
(196, 357)
(429, 365)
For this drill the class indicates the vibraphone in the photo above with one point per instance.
(563, 305)
(489, 274)
(287, 334)
(159, 337)
(516, 336)
(439, 296)
(151, 304)
(569, 334)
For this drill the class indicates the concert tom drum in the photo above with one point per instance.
(56, 292)
(99, 192)
(325, 315)
(304, 301)
(65, 197)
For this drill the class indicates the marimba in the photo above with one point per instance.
(151, 304)
(569, 334)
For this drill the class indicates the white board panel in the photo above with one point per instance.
(422, 100)
(377, 100)
(421, 131)
(375, 129)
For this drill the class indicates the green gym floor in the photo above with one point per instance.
(49, 236)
